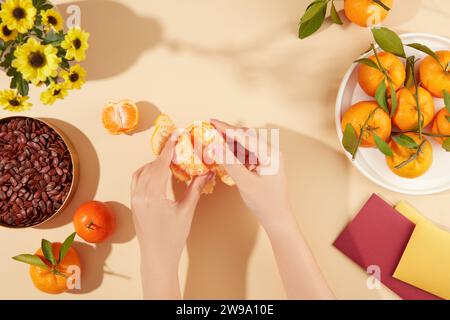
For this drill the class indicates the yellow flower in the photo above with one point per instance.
(75, 78)
(54, 91)
(35, 61)
(76, 44)
(18, 14)
(51, 19)
(6, 34)
(12, 101)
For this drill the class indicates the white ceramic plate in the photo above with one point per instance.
(371, 162)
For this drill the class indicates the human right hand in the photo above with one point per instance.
(266, 195)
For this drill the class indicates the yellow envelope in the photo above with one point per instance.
(425, 263)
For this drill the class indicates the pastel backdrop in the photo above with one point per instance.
(239, 61)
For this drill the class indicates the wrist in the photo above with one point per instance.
(157, 260)
(284, 224)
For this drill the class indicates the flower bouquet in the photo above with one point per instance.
(34, 49)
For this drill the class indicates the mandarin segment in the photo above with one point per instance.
(370, 78)
(188, 161)
(378, 123)
(433, 76)
(164, 127)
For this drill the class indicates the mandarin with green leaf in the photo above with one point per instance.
(369, 116)
(369, 78)
(410, 161)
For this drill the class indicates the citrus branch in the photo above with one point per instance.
(413, 157)
(381, 4)
(363, 129)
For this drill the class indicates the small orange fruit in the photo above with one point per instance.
(406, 116)
(441, 125)
(188, 160)
(415, 168)
(435, 77)
(121, 117)
(94, 221)
(378, 123)
(164, 127)
(366, 12)
(370, 78)
(51, 282)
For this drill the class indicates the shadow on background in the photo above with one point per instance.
(221, 241)
(93, 259)
(403, 12)
(124, 223)
(118, 36)
(148, 113)
(318, 178)
(89, 173)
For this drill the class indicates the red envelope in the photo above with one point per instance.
(377, 237)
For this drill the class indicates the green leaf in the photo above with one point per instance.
(446, 145)
(2, 45)
(424, 49)
(368, 62)
(46, 6)
(410, 72)
(66, 246)
(32, 260)
(64, 64)
(394, 101)
(389, 41)
(382, 145)
(21, 85)
(350, 140)
(447, 100)
(47, 249)
(309, 27)
(405, 141)
(54, 38)
(313, 10)
(381, 96)
(335, 15)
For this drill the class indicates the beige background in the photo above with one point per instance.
(237, 60)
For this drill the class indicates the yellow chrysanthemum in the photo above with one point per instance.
(55, 91)
(18, 14)
(6, 34)
(12, 101)
(75, 77)
(35, 61)
(76, 44)
(51, 19)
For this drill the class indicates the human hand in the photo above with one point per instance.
(162, 225)
(266, 195)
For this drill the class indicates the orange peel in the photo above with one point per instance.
(188, 161)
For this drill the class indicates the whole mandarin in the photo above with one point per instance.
(379, 122)
(406, 116)
(370, 78)
(435, 77)
(415, 168)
